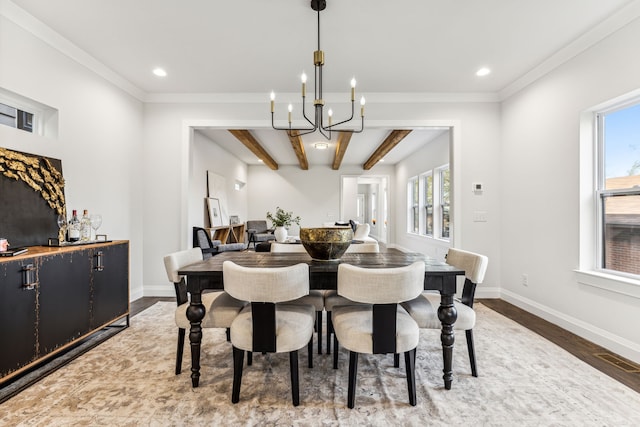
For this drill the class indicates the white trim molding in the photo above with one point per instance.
(606, 339)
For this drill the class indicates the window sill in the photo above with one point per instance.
(609, 282)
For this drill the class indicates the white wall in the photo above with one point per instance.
(209, 156)
(541, 207)
(313, 194)
(99, 135)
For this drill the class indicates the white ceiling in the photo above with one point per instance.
(255, 46)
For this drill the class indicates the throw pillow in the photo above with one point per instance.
(362, 232)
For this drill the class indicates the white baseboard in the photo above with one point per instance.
(612, 342)
(159, 291)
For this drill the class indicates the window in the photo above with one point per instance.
(445, 203)
(413, 221)
(618, 189)
(429, 203)
(13, 117)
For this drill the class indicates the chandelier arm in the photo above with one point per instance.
(322, 132)
(304, 114)
(344, 121)
(289, 129)
(298, 131)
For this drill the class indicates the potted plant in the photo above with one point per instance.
(282, 220)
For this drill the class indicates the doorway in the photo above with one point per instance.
(364, 199)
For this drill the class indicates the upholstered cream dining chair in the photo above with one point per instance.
(315, 297)
(269, 324)
(220, 308)
(380, 325)
(424, 308)
(331, 297)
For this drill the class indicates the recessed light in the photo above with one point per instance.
(320, 145)
(160, 72)
(381, 160)
(483, 72)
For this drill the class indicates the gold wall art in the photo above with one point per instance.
(38, 173)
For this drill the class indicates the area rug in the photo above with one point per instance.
(129, 380)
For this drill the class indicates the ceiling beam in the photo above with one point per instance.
(387, 145)
(298, 148)
(252, 144)
(341, 148)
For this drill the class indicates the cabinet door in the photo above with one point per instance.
(110, 292)
(17, 318)
(64, 298)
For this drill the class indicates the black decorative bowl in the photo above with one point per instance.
(326, 243)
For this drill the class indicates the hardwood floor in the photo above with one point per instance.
(616, 367)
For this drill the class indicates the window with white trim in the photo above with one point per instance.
(445, 200)
(428, 203)
(16, 118)
(618, 189)
(413, 196)
(428, 197)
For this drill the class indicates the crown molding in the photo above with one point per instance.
(599, 32)
(334, 98)
(47, 35)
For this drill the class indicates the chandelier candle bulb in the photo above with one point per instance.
(304, 85)
(290, 110)
(273, 98)
(353, 89)
(362, 107)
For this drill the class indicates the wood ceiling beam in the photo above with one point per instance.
(298, 148)
(252, 144)
(341, 148)
(387, 145)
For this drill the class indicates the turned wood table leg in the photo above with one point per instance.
(447, 314)
(195, 314)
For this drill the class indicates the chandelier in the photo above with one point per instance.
(318, 123)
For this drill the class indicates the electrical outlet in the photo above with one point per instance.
(525, 280)
(479, 216)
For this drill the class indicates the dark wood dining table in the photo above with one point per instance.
(207, 274)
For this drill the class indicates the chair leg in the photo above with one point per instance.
(293, 364)
(310, 352)
(319, 330)
(409, 360)
(180, 350)
(249, 358)
(353, 372)
(238, 360)
(329, 331)
(335, 351)
(472, 352)
(396, 360)
(228, 334)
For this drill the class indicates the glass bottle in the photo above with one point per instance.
(74, 227)
(85, 227)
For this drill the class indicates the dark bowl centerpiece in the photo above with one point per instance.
(326, 243)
